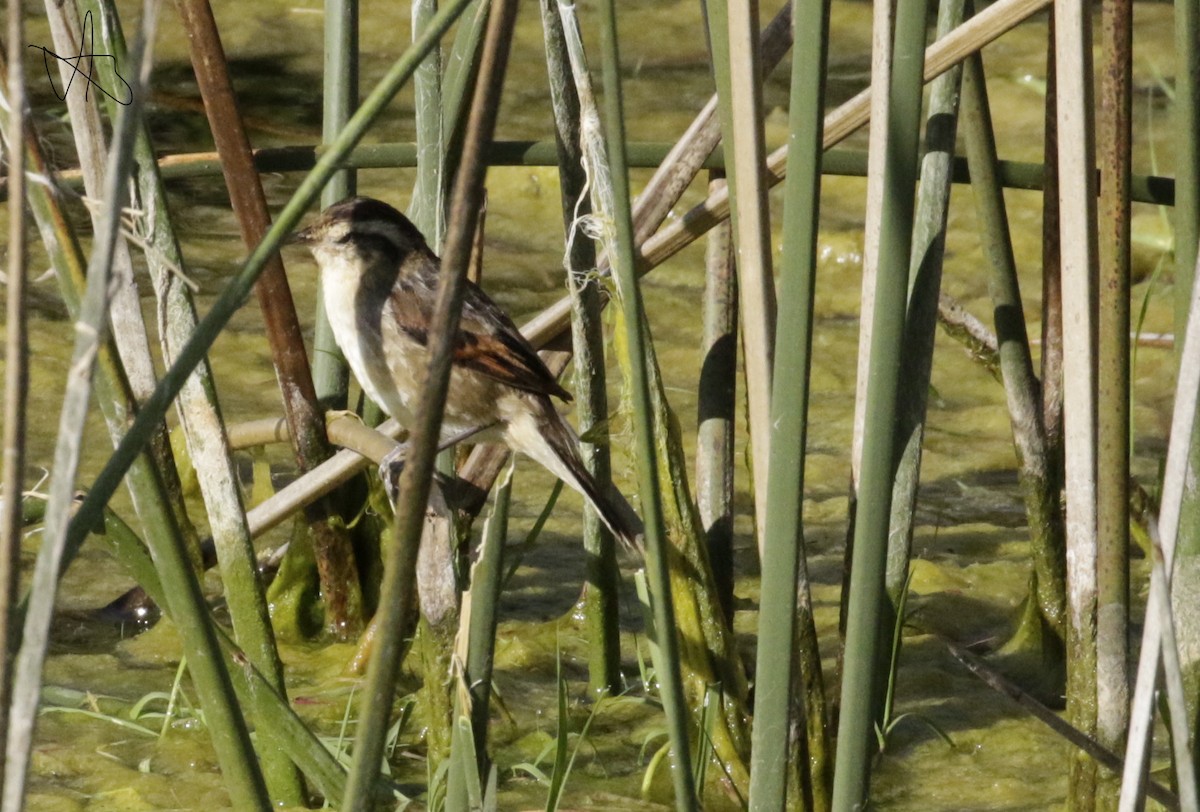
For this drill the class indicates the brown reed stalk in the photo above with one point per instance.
(335, 558)
(1113, 381)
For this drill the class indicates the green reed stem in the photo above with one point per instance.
(670, 681)
(427, 208)
(239, 287)
(396, 594)
(785, 610)
(461, 73)
(587, 334)
(861, 667)
(331, 376)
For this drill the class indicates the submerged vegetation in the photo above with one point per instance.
(904, 581)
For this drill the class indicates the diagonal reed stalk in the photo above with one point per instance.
(1040, 642)
(128, 327)
(396, 594)
(1175, 474)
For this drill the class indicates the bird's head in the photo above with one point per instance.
(363, 231)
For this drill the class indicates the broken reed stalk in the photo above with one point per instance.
(475, 647)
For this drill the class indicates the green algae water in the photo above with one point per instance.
(113, 749)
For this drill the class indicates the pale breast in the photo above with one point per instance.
(388, 363)
(384, 373)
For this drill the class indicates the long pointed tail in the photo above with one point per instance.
(551, 441)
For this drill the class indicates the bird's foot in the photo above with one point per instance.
(337, 414)
(389, 470)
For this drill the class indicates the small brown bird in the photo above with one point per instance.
(379, 282)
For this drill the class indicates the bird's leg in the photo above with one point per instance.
(393, 462)
(389, 470)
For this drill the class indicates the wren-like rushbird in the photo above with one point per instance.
(379, 281)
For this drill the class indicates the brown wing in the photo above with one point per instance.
(487, 342)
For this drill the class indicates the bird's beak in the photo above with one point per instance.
(302, 237)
